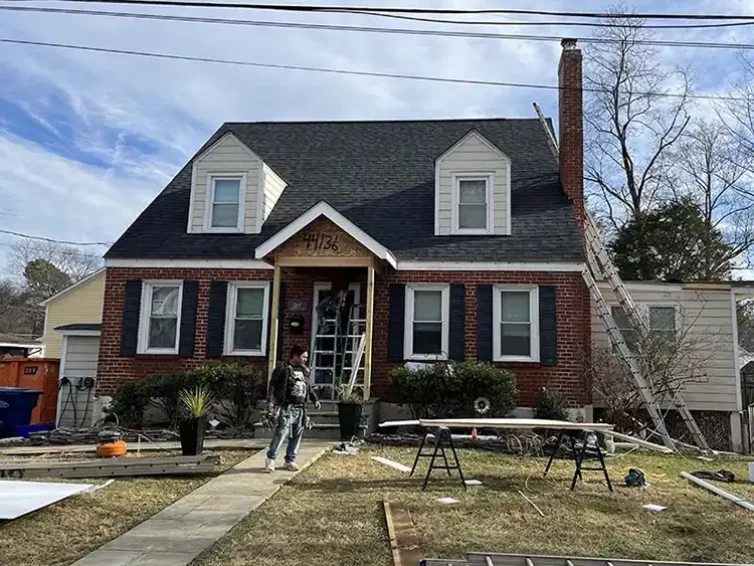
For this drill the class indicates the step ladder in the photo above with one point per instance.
(600, 266)
(335, 353)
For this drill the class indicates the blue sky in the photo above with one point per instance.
(87, 140)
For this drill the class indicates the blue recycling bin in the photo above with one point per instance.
(16, 405)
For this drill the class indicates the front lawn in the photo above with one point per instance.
(64, 532)
(332, 513)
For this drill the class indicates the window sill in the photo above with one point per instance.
(157, 356)
(223, 230)
(243, 354)
(426, 358)
(470, 232)
(516, 360)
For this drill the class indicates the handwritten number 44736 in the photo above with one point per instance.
(319, 241)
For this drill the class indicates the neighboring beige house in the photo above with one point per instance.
(704, 316)
(79, 303)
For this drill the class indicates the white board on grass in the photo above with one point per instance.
(18, 498)
(473, 483)
(395, 465)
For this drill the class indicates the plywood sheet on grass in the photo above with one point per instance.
(17, 498)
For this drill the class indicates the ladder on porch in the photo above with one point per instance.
(600, 266)
(336, 350)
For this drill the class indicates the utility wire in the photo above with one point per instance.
(43, 239)
(451, 80)
(367, 29)
(402, 10)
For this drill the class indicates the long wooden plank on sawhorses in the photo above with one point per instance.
(120, 467)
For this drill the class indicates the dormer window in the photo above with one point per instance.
(473, 204)
(226, 194)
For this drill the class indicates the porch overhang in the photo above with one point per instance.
(265, 250)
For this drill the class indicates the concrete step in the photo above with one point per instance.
(320, 431)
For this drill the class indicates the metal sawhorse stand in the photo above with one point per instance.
(578, 458)
(443, 439)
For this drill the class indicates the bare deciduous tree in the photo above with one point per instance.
(630, 124)
(737, 110)
(714, 171)
(71, 260)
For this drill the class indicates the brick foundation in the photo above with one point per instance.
(573, 323)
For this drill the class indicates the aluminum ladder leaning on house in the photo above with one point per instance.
(600, 266)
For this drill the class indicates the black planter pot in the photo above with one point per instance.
(349, 418)
(192, 436)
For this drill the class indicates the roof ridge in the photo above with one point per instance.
(400, 121)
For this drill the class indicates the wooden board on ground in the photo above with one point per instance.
(404, 542)
(113, 468)
(514, 423)
(640, 442)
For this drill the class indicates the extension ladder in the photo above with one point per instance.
(600, 264)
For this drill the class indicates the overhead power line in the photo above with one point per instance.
(404, 10)
(53, 240)
(368, 29)
(403, 76)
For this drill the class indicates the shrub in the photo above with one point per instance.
(450, 389)
(164, 390)
(551, 405)
(237, 387)
(128, 404)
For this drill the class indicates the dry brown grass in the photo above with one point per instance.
(64, 532)
(331, 513)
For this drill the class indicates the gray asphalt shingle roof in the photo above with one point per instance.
(380, 175)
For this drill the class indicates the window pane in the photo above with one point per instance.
(515, 306)
(226, 190)
(247, 335)
(472, 192)
(250, 303)
(224, 215)
(165, 301)
(162, 332)
(428, 306)
(428, 338)
(472, 216)
(662, 318)
(515, 339)
(624, 325)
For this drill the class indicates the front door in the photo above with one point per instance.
(332, 341)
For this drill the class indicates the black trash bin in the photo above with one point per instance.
(16, 405)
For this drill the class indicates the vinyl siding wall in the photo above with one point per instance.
(473, 155)
(228, 156)
(273, 188)
(708, 316)
(80, 305)
(80, 361)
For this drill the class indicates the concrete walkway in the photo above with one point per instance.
(179, 533)
(242, 443)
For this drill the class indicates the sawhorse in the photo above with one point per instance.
(578, 457)
(443, 439)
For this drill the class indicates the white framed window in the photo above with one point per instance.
(426, 324)
(226, 195)
(515, 324)
(472, 203)
(663, 323)
(624, 325)
(246, 318)
(160, 320)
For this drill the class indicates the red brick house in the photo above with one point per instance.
(459, 239)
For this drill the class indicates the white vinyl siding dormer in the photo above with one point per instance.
(472, 189)
(216, 173)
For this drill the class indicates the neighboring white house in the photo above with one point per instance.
(705, 315)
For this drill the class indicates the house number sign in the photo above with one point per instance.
(317, 241)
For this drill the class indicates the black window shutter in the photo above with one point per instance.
(457, 322)
(188, 319)
(396, 322)
(548, 337)
(218, 298)
(484, 322)
(281, 323)
(129, 334)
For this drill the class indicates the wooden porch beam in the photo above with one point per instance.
(274, 323)
(295, 261)
(369, 331)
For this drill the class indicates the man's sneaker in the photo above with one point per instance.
(291, 466)
(269, 465)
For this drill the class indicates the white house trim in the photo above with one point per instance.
(201, 155)
(230, 317)
(497, 307)
(146, 312)
(65, 332)
(455, 200)
(487, 266)
(736, 353)
(212, 176)
(71, 287)
(408, 331)
(324, 209)
(491, 146)
(189, 263)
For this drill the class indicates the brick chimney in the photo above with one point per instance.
(571, 124)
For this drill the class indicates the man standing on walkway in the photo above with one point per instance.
(286, 404)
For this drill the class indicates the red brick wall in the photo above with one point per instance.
(573, 323)
(573, 330)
